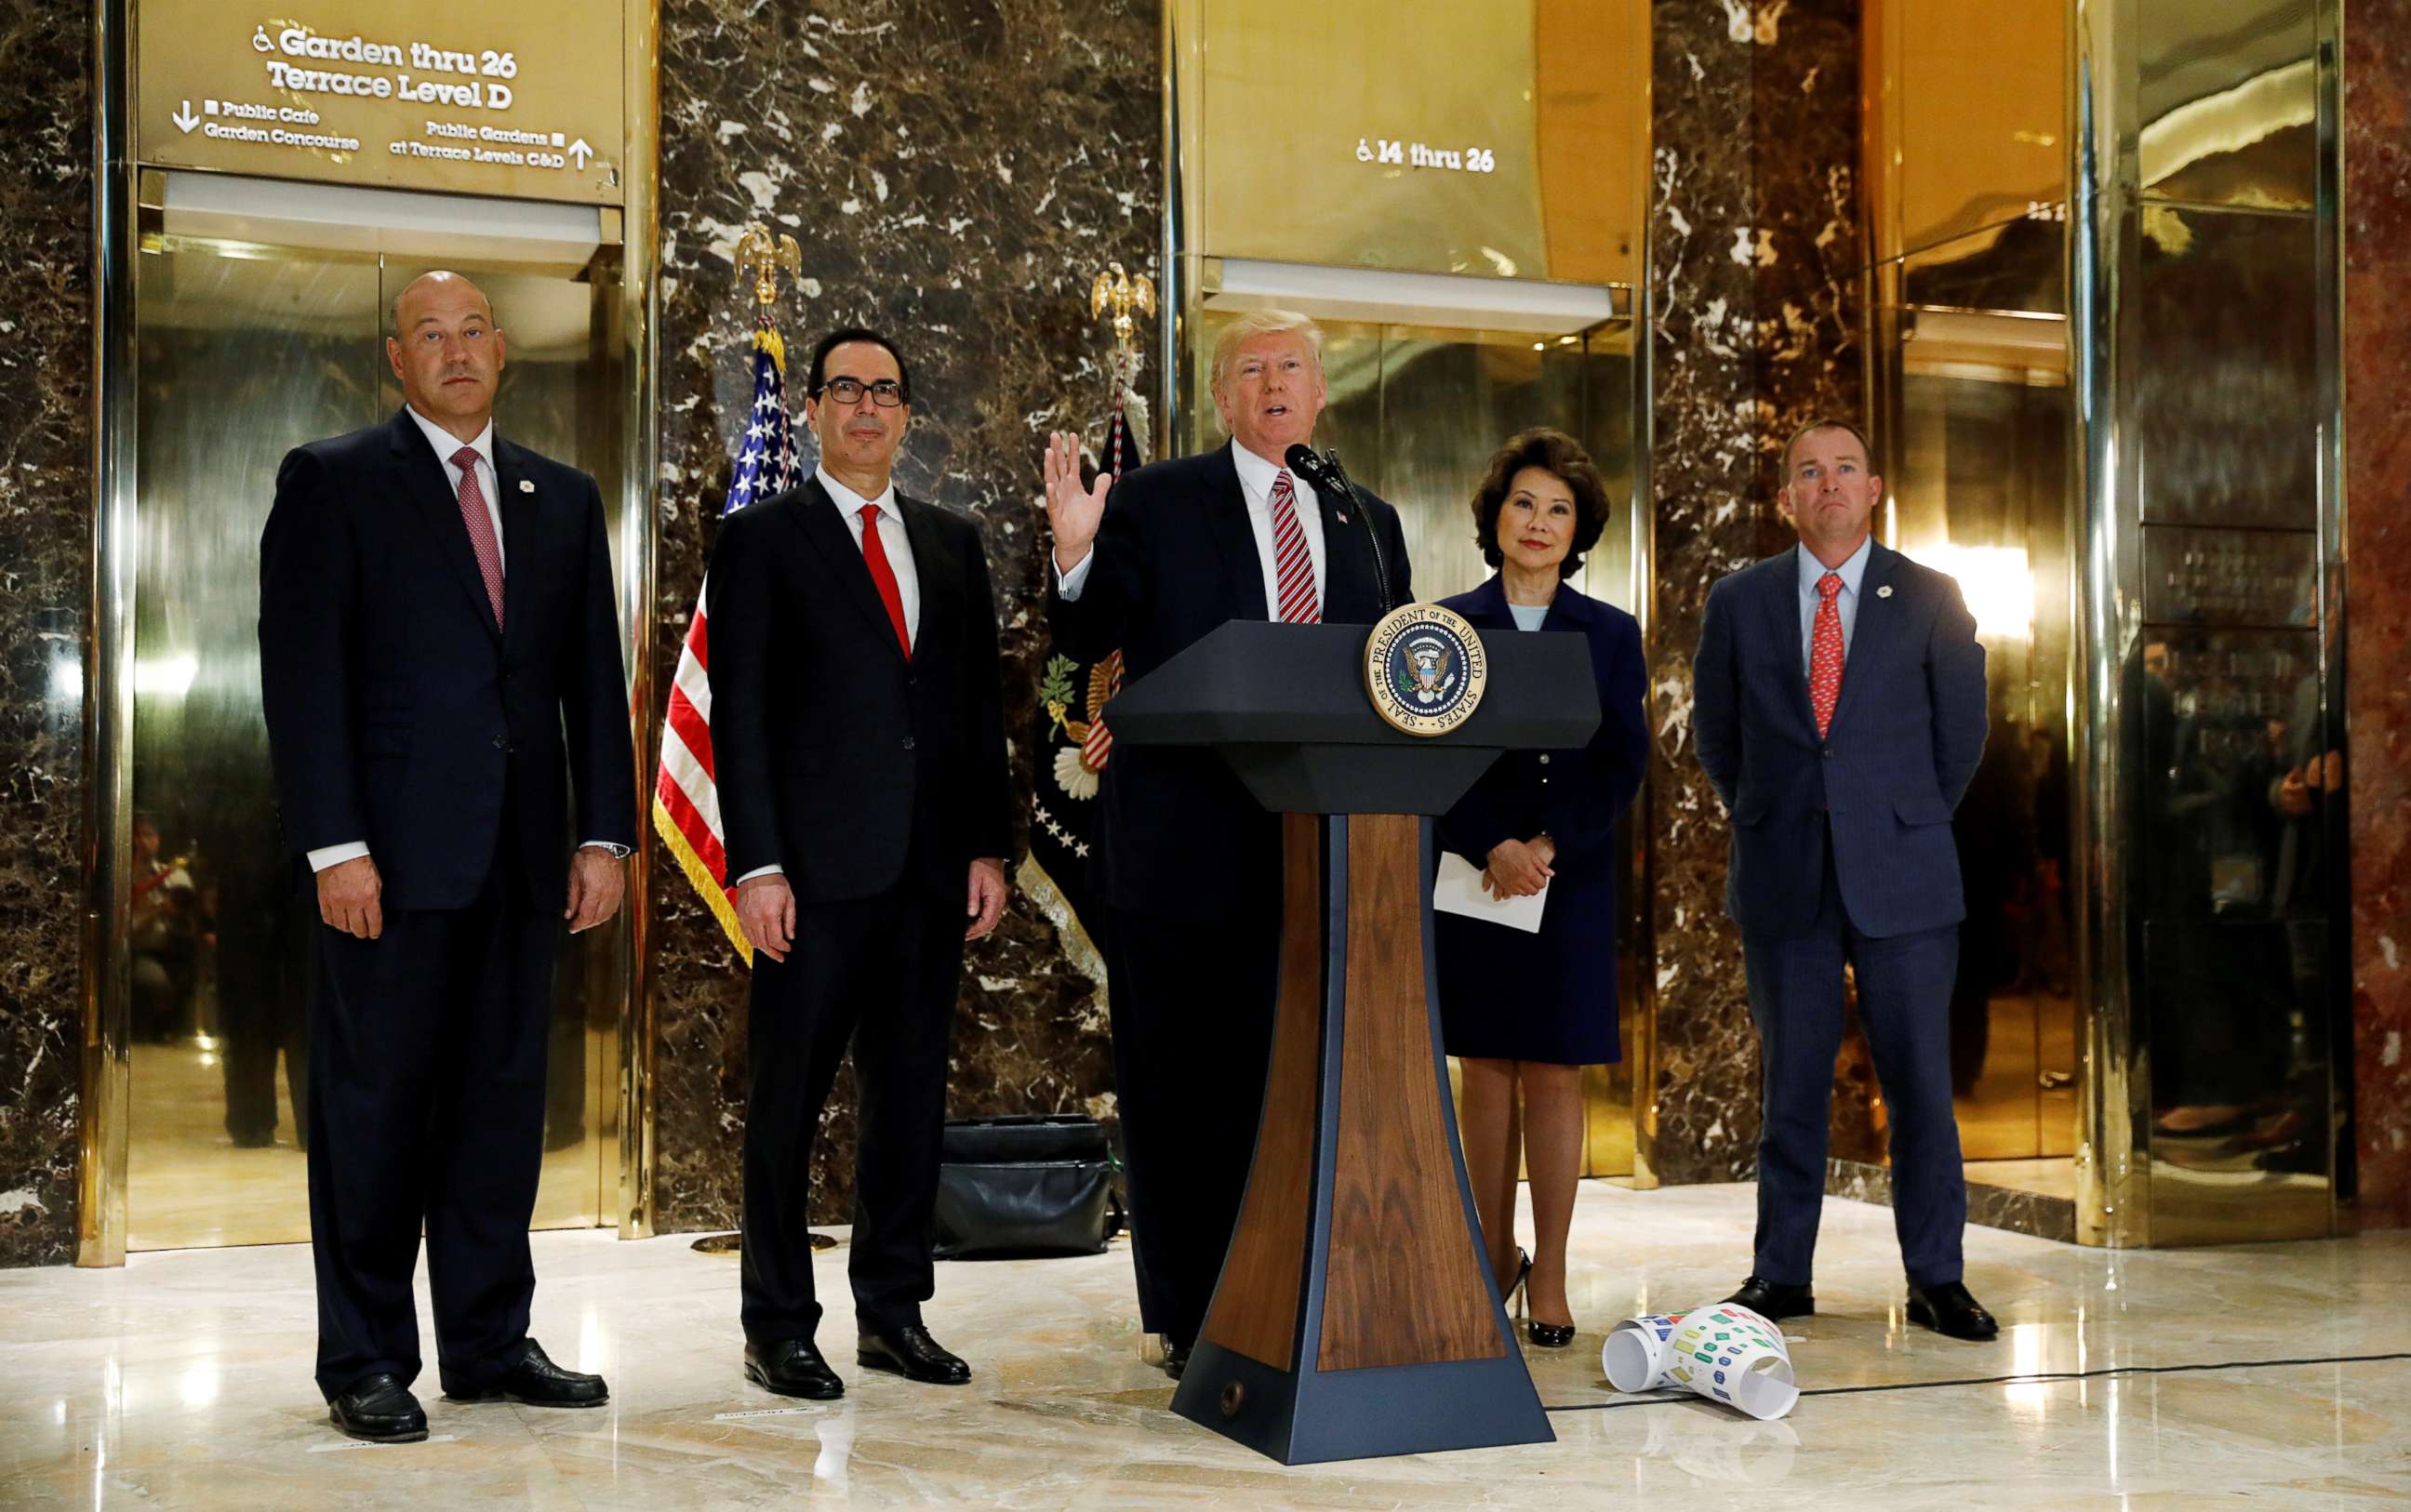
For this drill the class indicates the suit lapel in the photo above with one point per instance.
(1226, 521)
(1569, 610)
(1782, 602)
(816, 514)
(1350, 595)
(1871, 629)
(1488, 605)
(424, 482)
(935, 567)
(517, 507)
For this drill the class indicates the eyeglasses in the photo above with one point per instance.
(886, 393)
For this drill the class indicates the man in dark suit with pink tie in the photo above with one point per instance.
(439, 659)
(1839, 707)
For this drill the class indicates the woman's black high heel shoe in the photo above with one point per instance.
(1513, 1294)
(1549, 1335)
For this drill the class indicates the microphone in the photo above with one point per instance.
(1324, 474)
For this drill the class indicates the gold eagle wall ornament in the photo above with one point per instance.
(1121, 293)
(761, 259)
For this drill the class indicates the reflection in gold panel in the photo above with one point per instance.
(2230, 101)
(1503, 140)
(1969, 126)
(1972, 421)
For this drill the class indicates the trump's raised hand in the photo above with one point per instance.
(1073, 512)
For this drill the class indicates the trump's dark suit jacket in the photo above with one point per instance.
(397, 711)
(1907, 733)
(1175, 559)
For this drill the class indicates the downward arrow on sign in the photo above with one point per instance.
(579, 151)
(185, 120)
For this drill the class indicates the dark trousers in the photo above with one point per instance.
(426, 1108)
(1795, 997)
(883, 974)
(1193, 1000)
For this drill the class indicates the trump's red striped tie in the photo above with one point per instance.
(1293, 568)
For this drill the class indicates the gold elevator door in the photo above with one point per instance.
(247, 350)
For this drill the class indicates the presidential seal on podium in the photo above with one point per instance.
(1425, 668)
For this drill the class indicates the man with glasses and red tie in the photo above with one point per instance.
(439, 658)
(1839, 707)
(858, 740)
(1189, 865)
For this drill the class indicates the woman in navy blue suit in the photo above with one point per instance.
(1524, 1010)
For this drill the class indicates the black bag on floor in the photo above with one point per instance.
(1025, 1186)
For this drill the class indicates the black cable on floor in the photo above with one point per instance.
(2039, 1378)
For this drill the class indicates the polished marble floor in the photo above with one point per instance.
(183, 1381)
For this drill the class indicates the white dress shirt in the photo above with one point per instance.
(1256, 478)
(1846, 602)
(445, 443)
(899, 542)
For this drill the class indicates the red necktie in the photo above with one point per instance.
(481, 528)
(1294, 572)
(1825, 653)
(883, 577)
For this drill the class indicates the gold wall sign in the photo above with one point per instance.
(1507, 139)
(526, 100)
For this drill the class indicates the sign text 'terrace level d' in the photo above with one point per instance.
(458, 96)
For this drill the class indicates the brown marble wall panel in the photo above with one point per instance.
(2377, 606)
(956, 171)
(45, 601)
(2039, 1214)
(1756, 249)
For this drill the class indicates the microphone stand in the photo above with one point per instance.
(1333, 476)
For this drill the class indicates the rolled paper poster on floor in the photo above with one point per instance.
(1638, 1352)
(1730, 1355)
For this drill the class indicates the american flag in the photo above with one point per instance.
(686, 803)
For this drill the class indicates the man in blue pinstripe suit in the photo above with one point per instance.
(1839, 710)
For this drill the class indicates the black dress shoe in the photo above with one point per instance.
(910, 1352)
(1549, 1335)
(380, 1410)
(532, 1378)
(792, 1367)
(1949, 1310)
(1175, 1359)
(1773, 1300)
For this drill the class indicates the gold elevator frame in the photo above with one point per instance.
(103, 1114)
(2114, 1112)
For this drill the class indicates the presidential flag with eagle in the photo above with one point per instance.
(1072, 742)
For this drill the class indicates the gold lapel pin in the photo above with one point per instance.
(1883, 592)
(528, 485)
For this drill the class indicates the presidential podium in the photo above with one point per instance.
(1356, 1313)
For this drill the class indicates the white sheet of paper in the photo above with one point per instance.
(1458, 889)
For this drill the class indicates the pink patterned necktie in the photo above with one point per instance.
(1825, 652)
(481, 528)
(1293, 569)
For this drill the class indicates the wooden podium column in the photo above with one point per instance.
(1356, 1314)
